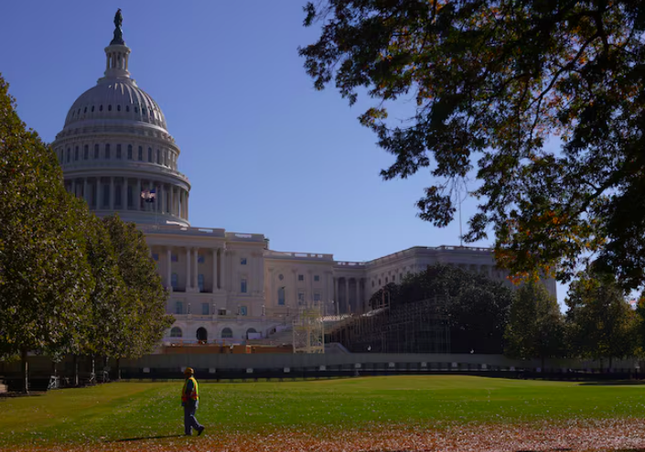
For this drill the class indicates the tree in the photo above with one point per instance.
(490, 83)
(536, 326)
(146, 296)
(601, 323)
(44, 278)
(475, 306)
(108, 325)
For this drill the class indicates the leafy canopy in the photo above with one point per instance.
(490, 82)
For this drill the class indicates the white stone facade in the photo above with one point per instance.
(224, 286)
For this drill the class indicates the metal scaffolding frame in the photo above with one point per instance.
(308, 329)
(415, 327)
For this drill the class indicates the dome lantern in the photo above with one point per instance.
(117, 53)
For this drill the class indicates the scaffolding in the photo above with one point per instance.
(308, 330)
(415, 327)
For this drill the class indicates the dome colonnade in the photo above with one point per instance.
(115, 149)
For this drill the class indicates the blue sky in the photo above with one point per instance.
(264, 151)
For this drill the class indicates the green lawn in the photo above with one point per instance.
(128, 410)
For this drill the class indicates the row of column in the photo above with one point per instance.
(342, 298)
(169, 199)
(218, 269)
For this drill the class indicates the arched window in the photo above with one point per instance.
(129, 152)
(127, 109)
(249, 332)
(202, 334)
(140, 156)
(92, 108)
(174, 281)
(109, 107)
(76, 153)
(227, 333)
(175, 332)
(107, 151)
(150, 155)
(86, 152)
(158, 157)
(118, 151)
(69, 154)
(100, 107)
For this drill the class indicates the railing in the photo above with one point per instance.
(294, 255)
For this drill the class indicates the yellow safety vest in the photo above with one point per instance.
(194, 395)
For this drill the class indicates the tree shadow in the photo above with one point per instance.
(614, 383)
(143, 438)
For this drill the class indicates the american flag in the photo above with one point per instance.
(149, 195)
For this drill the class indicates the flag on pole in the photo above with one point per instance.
(149, 195)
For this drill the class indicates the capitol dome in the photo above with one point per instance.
(115, 149)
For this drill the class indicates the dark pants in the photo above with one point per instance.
(189, 417)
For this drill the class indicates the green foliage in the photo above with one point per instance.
(601, 323)
(44, 277)
(145, 295)
(476, 307)
(536, 325)
(490, 82)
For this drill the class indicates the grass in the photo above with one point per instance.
(122, 411)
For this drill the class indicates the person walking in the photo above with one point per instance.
(190, 401)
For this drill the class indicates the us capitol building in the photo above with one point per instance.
(115, 149)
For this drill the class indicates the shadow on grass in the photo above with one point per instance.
(143, 438)
(615, 383)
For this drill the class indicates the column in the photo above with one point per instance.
(214, 251)
(124, 194)
(186, 217)
(169, 267)
(99, 194)
(195, 267)
(337, 295)
(85, 197)
(349, 309)
(172, 200)
(111, 193)
(359, 307)
(137, 196)
(222, 262)
(188, 280)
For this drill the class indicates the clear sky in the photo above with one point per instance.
(264, 151)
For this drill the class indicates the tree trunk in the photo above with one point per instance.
(25, 371)
(75, 370)
(118, 369)
(93, 370)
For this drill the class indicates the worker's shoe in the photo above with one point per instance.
(200, 430)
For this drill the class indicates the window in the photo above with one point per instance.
(301, 277)
(243, 310)
(129, 152)
(127, 108)
(118, 151)
(386, 280)
(372, 283)
(86, 152)
(92, 108)
(85, 110)
(281, 296)
(158, 157)
(227, 333)
(76, 153)
(110, 107)
(280, 276)
(205, 309)
(249, 332)
(200, 258)
(243, 261)
(107, 151)
(118, 108)
(150, 155)
(316, 278)
(243, 285)
(301, 297)
(175, 332)
(179, 307)
(96, 151)
(174, 257)
(100, 107)
(317, 296)
(200, 282)
(140, 155)
(69, 154)
(155, 256)
(174, 281)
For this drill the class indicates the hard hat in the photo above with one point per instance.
(189, 371)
